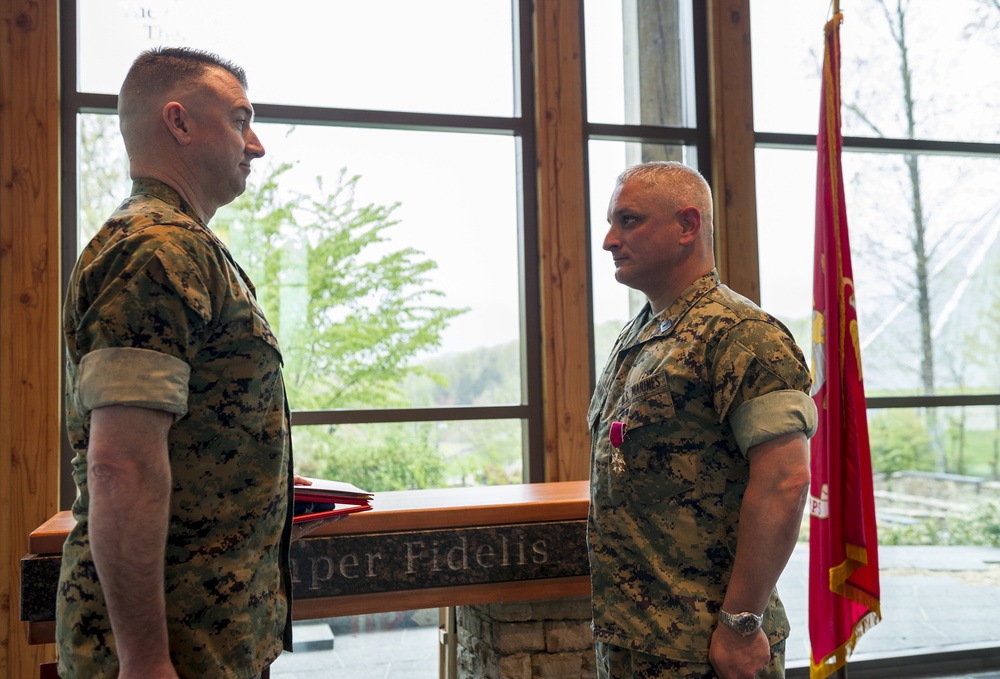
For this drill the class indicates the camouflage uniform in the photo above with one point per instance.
(695, 387)
(159, 315)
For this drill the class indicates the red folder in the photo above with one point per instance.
(330, 498)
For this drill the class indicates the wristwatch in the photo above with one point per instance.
(744, 623)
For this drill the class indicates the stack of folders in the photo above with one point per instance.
(324, 499)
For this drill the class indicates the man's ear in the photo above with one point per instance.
(690, 220)
(175, 117)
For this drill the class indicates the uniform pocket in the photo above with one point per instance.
(661, 475)
(657, 469)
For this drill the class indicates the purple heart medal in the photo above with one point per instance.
(617, 437)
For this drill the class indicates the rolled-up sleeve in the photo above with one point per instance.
(772, 415)
(132, 377)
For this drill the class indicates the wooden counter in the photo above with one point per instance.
(414, 549)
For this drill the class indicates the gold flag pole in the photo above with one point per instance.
(842, 671)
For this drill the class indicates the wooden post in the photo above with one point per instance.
(562, 234)
(30, 356)
(733, 146)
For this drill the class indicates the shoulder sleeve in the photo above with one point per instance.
(755, 358)
(151, 291)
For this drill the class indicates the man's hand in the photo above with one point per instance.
(737, 657)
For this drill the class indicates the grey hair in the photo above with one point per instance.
(676, 181)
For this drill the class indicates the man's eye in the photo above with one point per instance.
(628, 219)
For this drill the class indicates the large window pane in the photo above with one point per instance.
(440, 56)
(937, 498)
(787, 56)
(928, 258)
(909, 69)
(925, 242)
(640, 62)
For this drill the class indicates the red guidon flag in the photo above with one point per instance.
(843, 545)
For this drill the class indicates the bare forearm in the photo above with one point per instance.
(127, 537)
(128, 518)
(769, 525)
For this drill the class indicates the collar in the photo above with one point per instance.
(145, 186)
(645, 326)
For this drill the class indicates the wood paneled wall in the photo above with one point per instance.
(30, 364)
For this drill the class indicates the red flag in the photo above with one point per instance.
(843, 544)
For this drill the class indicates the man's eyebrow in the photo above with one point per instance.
(243, 108)
(622, 210)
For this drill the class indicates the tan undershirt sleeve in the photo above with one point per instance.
(772, 415)
(132, 377)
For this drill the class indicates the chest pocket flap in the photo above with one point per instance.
(659, 465)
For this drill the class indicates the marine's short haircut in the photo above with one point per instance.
(677, 181)
(162, 68)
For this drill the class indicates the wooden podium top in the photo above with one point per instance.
(405, 510)
(414, 549)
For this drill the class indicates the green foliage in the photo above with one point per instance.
(924, 532)
(396, 456)
(350, 312)
(483, 453)
(103, 173)
(488, 375)
(900, 441)
(981, 527)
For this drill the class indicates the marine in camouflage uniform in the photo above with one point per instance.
(159, 315)
(692, 388)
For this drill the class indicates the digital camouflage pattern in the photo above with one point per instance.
(615, 662)
(663, 520)
(155, 277)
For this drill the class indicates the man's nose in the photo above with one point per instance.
(254, 147)
(611, 240)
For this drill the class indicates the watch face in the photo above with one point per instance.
(744, 623)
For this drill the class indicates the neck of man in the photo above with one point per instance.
(662, 299)
(181, 184)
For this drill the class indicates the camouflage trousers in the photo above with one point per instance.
(615, 662)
